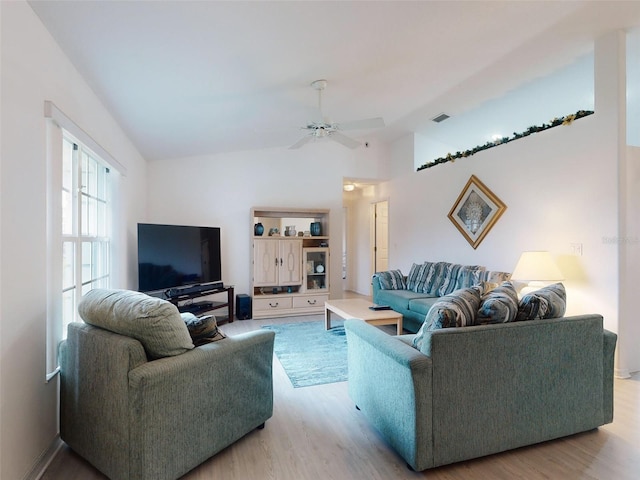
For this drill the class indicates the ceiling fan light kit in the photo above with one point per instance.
(324, 129)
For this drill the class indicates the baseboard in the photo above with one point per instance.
(621, 373)
(45, 460)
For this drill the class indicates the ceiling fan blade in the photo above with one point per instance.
(344, 140)
(301, 142)
(377, 122)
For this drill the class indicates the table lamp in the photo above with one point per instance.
(535, 270)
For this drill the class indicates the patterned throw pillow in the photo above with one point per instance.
(493, 278)
(202, 329)
(435, 278)
(414, 276)
(458, 309)
(469, 275)
(450, 279)
(422, 275)
(548, 302)
(391, 280)
(499, 305)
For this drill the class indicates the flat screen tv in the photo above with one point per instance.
(172, 256)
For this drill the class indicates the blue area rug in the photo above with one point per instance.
(310, 354)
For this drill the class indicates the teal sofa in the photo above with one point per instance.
(413, 306)
(135, 416)
(414, 294)
(484, 389)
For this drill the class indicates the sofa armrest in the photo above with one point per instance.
(390, 382)
(207, 398)
(609, 347)
(375, 284)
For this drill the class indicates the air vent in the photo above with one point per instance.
(440, 118)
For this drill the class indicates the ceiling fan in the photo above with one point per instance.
(325, 129)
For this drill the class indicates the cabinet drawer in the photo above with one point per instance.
(310, 301)
(272, 303)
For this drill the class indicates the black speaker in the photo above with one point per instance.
(243, 306)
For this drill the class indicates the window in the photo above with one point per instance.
(86, 226)
(82, 204)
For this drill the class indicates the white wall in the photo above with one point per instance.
(561, 186)
(219, 190)
(33, 69)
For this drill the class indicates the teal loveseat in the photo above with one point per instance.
(483, 389)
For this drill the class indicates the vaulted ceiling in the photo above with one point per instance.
(189, 78)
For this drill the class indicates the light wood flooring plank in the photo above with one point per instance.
(316, 433)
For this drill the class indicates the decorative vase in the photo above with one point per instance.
(316, 229)
(258, 229)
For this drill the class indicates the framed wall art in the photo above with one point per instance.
(476, 211)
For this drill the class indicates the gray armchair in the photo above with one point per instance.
(135, 417)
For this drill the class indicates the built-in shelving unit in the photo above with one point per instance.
(290, 273)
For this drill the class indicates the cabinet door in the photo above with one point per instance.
(266, 263)
(316, 269)
(290, 262)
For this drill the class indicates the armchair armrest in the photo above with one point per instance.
(400, 406)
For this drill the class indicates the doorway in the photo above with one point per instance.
(380, 236)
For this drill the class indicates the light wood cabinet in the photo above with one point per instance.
(281, 284)
(277, 263)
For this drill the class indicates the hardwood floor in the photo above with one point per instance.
(316, 432)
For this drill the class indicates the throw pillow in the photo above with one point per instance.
(493, 278)
(468, 276)
(499, 305)
(458, 309)
(450, 279)
(435, 278)
(392, 280)
(202, 329)
(152, 321)
(414, 276)
(548, 302)
(422, 275)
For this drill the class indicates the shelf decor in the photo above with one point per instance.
(476, 211)
(566, 120)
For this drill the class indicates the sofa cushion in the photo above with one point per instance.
(398, 299)
(392, 280)
(547, 302)
(458, 309)
(202, 329)
(152, 321)
(422, 305)
(499, 305)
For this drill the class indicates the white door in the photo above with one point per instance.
(381, 236)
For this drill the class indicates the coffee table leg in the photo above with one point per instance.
(400, 326)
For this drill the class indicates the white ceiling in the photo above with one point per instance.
(189, 78)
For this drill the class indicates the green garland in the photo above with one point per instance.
(567, 120)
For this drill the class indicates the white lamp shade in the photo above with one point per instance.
(536, 267)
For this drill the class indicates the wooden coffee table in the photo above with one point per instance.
(359, 308)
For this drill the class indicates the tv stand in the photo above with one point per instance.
(185, 303)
